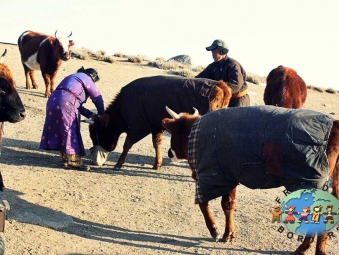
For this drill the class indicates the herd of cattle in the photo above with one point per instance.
(151, 113)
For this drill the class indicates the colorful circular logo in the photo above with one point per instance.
(309, 212)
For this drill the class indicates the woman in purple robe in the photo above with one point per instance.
(62, 124)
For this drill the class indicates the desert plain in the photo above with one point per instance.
(136, 210)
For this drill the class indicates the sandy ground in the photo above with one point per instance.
(133, 211)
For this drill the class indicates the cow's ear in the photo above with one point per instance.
(169, 124)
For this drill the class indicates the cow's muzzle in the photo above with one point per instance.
(67, 56)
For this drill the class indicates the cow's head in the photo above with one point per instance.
(11, 107)
(61, 47)
(179, 127)
(105, 131)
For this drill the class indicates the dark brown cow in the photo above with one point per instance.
(285, 88)
(11, 107)
(43, 52)
(206, 129)
(139, 108)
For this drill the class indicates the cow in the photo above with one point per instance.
(260, 147)
(285, 88)
(11, 107)
(139, 108)
(43, 52)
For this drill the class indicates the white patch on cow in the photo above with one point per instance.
(32, 61)
(64, 41)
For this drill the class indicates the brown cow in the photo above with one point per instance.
(11, 107)
(43, 52)
(285, 88)
(139, 108)
(220, 162)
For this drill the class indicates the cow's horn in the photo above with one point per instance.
(172, 113)
(4, 54)
(55, 33)
(70, 34)
(2, 57)
(196, 112)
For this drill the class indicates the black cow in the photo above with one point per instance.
(139, 108)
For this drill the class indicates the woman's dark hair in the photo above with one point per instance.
(91, 72)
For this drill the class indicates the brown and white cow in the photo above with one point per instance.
(218, 147)
(43, 52)
(285, 88)
(11, 107)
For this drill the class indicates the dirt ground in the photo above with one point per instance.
(133, 211)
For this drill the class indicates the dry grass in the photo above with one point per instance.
(109, 59)
(119, 55)
(135, 59)
(255, 79)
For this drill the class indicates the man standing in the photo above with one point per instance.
(228, 70)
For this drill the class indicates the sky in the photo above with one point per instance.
(260, 34)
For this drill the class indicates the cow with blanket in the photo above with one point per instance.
(260, 147)
(139, 108)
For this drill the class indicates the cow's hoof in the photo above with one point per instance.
(117, 168)
(156, 167)
(216, 235)
(228, 238)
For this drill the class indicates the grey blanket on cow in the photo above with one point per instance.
(259, 147)
(144, 101)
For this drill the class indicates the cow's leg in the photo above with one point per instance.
(28, 84)
(209, 220)
(29, 74)
(53, 82)
(127, 146)
(228, 205)
(157, 140)
(320, 249)
(306, 244)
(47, 81)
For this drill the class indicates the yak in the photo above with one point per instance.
(285, 88)
(139, 108)
(260, 147)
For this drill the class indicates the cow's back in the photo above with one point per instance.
(144, 100)
(29, 43)
(262, 146)
(285, 88)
